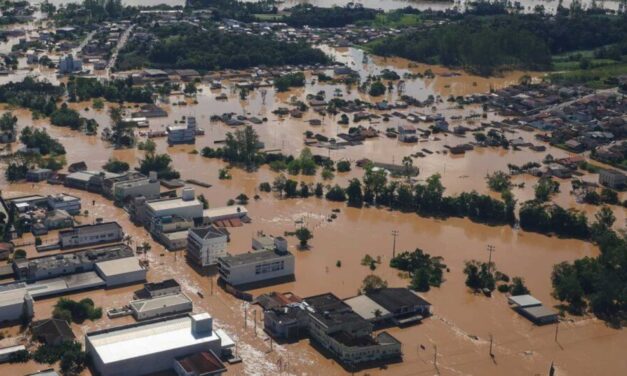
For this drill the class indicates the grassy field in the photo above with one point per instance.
(581, 67)
(393, 20)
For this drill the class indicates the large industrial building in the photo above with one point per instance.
(205, 245)
(45, 267)
(153, 346)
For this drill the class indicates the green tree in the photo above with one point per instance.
(115, 166)
(372, 282)
(8, 122)
(518, 287)
(377, 88)
(354, 193)
(303, 235)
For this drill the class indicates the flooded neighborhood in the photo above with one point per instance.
(212, 187)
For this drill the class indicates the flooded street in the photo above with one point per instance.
(456, 339)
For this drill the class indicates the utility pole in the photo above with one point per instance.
(255, 320)
(491, 249)
(557, 327)
(211, 284)
(435, 358)
(491, 342)
(394, 235)
(245, 315)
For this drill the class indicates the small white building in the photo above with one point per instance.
(205, 245)
(225, 213)
(153, 346)
(257, 268)
(166, 305)
(121, 271)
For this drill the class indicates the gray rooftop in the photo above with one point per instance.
(254, 257)
(91, 229)
(207, 232)
(92, 255)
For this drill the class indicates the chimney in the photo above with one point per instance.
(188, 194)
(202, 324)
(152, 176)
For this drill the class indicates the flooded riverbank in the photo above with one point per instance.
(462, 324)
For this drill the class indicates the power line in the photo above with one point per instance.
(395, 233)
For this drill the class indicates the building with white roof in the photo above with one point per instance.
(225, 213)
(121, 271)
(144, 309)
(186, 206)
(153, 346)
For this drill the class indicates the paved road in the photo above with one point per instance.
(121, 43)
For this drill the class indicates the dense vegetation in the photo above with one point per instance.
(73, 358)
(239, 10)
(286, 81)
(309, 15)
(597, 283)
(39, 138)
(480, 275)
(553, 219)
(77, 312)
(425, 271)
(185, 46)
(161, 164)
(90, 12)
(40, 97)
(484, 44)
(115, 166)
(84, 88)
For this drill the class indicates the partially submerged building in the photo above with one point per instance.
(166, 305)
(182, 134)
(45, 267)
(156, 289)
(533, 309)
(205, 245)
(91, 234)
(257, 268)
(130, 185)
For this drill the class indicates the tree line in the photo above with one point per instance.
(487, 43)
(184, 46)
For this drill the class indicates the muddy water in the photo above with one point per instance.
(587, 346)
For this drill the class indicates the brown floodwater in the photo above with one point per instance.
(585, 345)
